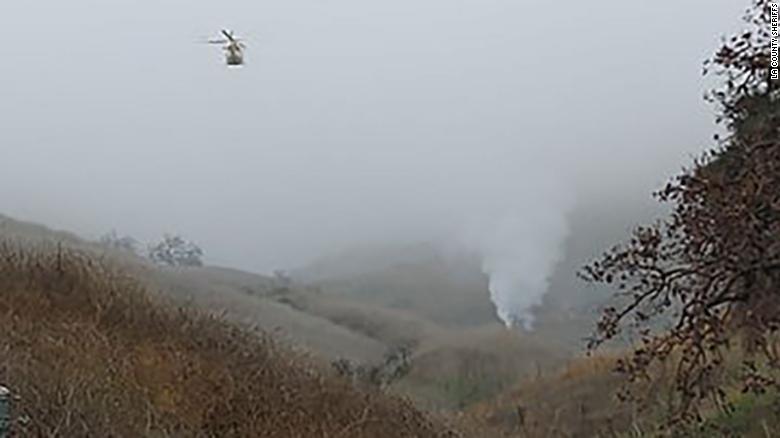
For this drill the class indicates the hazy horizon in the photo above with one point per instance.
(351, 122)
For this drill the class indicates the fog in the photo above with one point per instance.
(484, 121)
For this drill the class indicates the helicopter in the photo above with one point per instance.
(233, 47)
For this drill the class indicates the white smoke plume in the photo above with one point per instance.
(520, 243)
(518, 258)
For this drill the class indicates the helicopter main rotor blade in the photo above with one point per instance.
(227, 34)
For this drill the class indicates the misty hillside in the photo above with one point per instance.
(485, 371)
(452, 366)
(360, 304)
(326, 324)
(88, 351)
(414, 278)
(570, 306)
(446, 285)
(240, 296)
(13, 229)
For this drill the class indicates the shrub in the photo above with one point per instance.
(173, 250)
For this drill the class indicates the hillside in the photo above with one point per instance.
(414, 278)
(362, 303)
(570, 307)
(88, 351)
(248, 302)
(582, 400)
(231, 293)
(348, 308)
(109, 319)
(482, 357)
(444, 286)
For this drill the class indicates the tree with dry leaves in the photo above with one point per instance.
(705, 282)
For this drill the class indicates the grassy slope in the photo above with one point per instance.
(421, 295)
(90, 353)
(576, 402)
(236, 294)
(581, 401)
(308, 331)
(468, 366)
(454, 364)
(446, 288)
(480, 360)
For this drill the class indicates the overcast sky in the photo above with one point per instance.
(352, 121)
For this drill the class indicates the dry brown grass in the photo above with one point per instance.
(579, 401)
(582, 401)
(462, 367)
(90, 353)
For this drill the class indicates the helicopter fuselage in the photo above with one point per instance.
(234, 55)
(234, 59)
